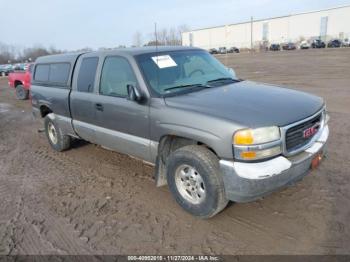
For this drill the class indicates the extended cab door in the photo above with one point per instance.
(122, 124)
(82, 98)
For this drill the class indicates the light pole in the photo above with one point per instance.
(251, 34)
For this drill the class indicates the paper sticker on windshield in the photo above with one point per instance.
(164, 61)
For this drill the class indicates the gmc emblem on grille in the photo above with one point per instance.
(311, 130)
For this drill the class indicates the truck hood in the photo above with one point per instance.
(250, 104)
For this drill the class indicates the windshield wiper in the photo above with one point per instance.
(184, 86)
(223, 79)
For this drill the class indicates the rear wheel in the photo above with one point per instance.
(21, 93)
(195, 180)
(56, 138)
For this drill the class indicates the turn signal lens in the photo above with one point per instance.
(248, 155)
(244, 137)
(260, 154)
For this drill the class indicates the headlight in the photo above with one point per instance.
(259, 143)
(257, 136)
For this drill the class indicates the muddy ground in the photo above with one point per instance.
(92, 201)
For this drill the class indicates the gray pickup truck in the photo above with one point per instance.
(211, 136)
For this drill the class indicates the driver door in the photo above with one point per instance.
(123, 125)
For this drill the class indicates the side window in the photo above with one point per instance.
(42, 73)
(87, 73)
(116, 75)
(59, 73)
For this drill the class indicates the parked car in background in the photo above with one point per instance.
(335, 43)
(211, 136)
(317, 43)
(222, 50)
(2, 70)
(233, 50)
(21, 81)
(5, 69)
(289, 46)
(275, 47)
(213, 51)
(346, 42)
(19, 67)
(304, 45)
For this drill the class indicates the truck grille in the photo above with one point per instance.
(295, 135)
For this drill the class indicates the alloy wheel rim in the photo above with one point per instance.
(52, 133)
(190, 184)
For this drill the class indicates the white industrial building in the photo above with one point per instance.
(325, 24)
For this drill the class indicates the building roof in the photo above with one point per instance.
(270, 18)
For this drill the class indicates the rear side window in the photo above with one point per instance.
(87, 73)
(42, 73)
(55, 74)
(59, 73)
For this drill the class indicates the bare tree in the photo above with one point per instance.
(181, 29)
(6, 53)
(171, 36)
(33, 53)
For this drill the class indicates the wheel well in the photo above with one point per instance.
(44, 110)
(170, 143)
(17, 83)
(167, 145)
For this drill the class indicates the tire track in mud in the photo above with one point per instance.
(67, 169)
(23, 234)
(104, 204)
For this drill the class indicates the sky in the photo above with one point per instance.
(76, 24)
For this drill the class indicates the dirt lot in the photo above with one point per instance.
(90, 200)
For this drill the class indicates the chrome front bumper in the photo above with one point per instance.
(246, 182)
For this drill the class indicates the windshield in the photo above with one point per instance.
(178, 71)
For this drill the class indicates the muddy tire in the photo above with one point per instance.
(195, 181)
(21, 93)
(56, 138)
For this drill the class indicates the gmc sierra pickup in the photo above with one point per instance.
(212, 137)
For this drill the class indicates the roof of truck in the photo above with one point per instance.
(149, 49)
(67, 57)
(72, 57)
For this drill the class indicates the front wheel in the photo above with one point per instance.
(195, 181)
(57, 139)
(21, 93)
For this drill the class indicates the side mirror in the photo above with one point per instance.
(232, 71)
(133, 93)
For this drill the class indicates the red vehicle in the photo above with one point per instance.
(21, 81)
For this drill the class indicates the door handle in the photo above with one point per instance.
(99, 107)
